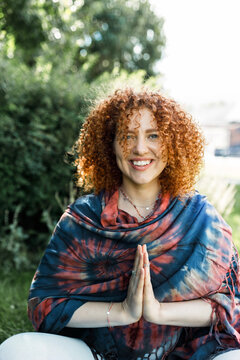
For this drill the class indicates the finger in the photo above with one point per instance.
(140, 264)
(137, 283)
(136, 261)
(137, 275)
(140, 286)
(144, 248)
(146, 263)
(147, 270)
(135, 272)
(140, 260)
(148, 289)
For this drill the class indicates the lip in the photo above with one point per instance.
(140, 168)
(141, 159)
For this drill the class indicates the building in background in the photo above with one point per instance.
(221, 126)
(234, 129)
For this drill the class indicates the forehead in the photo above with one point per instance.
(142, 118)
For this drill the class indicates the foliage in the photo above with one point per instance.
(13, 247)
(40, 120)
(91, 36)
(17, 19)
(122, 34)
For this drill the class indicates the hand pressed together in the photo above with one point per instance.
(140, 300)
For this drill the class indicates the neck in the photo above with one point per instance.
(141, 194)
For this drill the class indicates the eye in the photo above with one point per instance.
(153, 136)
(130, 137)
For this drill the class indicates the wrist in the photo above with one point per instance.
(159, 319)
(155, 313)
(126, 315)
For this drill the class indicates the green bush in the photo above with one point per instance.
(40, 119)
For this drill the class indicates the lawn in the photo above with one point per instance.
(13, 303)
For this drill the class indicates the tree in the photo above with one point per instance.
(122, 34)
(92, 36)
(23, 26)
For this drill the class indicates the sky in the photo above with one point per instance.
(201, 62)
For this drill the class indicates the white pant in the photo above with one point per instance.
(41, 346)
(230, 355)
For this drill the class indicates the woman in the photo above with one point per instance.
(145, 267)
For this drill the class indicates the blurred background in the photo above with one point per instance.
(56, 58)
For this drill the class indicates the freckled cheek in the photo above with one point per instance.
(159, 152)
(122, 163)
(120, 152)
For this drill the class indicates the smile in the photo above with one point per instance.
(140, 164)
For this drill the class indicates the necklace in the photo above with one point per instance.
(136, 206)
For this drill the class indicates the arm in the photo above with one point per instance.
(94, 314)
(141, 301)
(191, 313)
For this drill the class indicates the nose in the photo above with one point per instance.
(140, 146)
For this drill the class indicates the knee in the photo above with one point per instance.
(38, 346)
(229, 355)
(17, 345)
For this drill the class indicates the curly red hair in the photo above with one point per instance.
(96, 163)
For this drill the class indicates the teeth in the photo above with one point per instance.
(141, 163)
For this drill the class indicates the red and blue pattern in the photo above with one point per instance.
(90, 258)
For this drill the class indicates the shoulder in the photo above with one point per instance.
(207, 211)
(85, 209)
(198, 204)
(197, 199)
(87, 199)
(87, 205)
(193, 201)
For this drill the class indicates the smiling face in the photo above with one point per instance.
(144, 160)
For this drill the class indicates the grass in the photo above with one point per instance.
(14, 289)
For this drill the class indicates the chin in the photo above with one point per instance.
(143, 181)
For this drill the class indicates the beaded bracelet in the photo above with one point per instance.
(108, 312)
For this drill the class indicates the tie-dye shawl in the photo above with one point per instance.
(90, 258)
